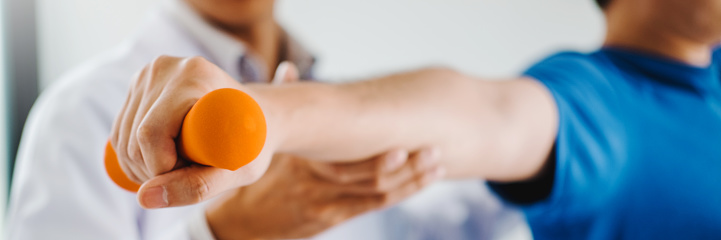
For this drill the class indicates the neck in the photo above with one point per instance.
(262, 39)
(639, 32)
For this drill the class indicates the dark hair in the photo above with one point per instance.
(602, 3)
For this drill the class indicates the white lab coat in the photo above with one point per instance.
(60, 189)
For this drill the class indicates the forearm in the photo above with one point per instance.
(462, 116)
(327, 121)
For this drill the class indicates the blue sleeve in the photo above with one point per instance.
(716, 55)
(583, 161)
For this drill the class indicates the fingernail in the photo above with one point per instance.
(395, 160)
(155, 197)
(428, 156)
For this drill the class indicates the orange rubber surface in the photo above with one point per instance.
(112, 167)
(225, 129)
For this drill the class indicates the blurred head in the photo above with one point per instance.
(234, 13)
(695, 20)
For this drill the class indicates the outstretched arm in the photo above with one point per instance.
(497, 130)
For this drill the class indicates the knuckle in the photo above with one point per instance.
(144, 133)
(159, 65)
(196, 60)
(159, 60)
(161, 57)
(195, 63)
(199, 188)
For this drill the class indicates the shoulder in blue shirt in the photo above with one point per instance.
(638, 150)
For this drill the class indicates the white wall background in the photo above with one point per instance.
(354, 39)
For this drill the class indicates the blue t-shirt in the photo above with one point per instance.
(638, 151)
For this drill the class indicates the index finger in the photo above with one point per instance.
(157, 132)
(360, 171)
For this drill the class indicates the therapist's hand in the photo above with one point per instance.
(145, 131)
(297, 198)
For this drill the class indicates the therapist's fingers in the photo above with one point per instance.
(360, 171)
(350, 206)
(411, 187)
(418, 165)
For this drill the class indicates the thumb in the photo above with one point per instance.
(183, 186)
(197, 183)
(193, 184)
(286, 72)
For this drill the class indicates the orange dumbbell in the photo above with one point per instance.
(224, 129)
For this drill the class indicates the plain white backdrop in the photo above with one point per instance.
(355, 39)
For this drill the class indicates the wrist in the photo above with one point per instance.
(277, 125)
(302, 117)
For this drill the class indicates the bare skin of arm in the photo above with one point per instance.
(496, 130)
(499, 130)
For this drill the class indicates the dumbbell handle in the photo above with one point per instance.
(226, 128)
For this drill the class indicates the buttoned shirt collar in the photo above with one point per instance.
(222, 49)
(230, 54)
